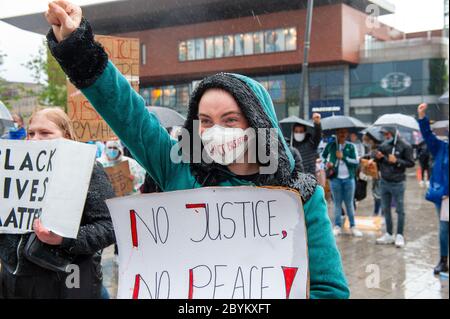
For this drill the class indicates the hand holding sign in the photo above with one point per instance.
(64, 17)
(45, 235)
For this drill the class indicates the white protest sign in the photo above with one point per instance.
(215, 242)
(49, 179)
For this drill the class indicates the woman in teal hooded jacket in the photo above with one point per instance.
(221, 100)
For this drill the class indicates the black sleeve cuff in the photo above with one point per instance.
(80, 56)
(67, 244)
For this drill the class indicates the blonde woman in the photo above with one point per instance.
(21, 278)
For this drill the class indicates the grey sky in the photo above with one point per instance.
(19, 45)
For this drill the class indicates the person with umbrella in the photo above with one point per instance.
(373, 138)
(307, 143)
(438, 191)
(341, 158)
(393, 157)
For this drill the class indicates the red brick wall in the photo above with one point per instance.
(337, 32)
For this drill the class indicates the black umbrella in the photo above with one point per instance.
(287, 124)
(374, 133)
(340, 121)
(296, 120)
(167, 117)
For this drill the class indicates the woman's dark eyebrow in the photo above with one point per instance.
(231, 112)
(203, 114)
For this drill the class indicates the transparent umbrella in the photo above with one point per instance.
(6, 120)
(167, 117)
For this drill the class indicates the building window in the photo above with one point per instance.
(143, 54)
(222, 46)
(218, 47)
(291, 39)
(190, 50)
(275, 41)
(199, 49)
(248, 44)
(228, 45)
(239, 44)
(258, 42)
(209, 42)
(182, 51)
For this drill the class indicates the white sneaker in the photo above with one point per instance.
(422, 184)
(399, 241)
(355, 232)
(337, 230)
(428, 184)
(386, 239)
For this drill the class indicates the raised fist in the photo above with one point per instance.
(316, 118)
(421, 110)
(64, 17)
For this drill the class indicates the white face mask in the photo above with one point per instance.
(225, 145)
(299, 137)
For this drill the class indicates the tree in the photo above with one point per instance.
(47, 72)
(3, 86)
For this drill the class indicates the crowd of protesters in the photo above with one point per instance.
(220, 102)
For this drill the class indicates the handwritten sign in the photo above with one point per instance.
(88, 124)
(119, 176)
(214, 242)
(44, 179)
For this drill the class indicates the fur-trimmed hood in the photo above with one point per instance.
(256, 104)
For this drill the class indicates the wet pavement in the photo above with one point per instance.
(377, 271)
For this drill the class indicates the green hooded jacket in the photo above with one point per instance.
(125, 112)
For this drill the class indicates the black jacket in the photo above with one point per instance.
(308, 149)
(404, 153)
(96, 233)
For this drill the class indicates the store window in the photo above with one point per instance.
(400, 78)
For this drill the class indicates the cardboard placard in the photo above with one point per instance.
(370, 168)
(44, 179)
(119, 176)
(88, 124)
(214, 242)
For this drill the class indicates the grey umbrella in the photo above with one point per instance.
(6, 120)
(444, 98)
(374, 132)
(440, 128)
(340, 121)
(397, 120)
(167, 117)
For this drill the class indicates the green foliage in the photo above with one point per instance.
(3, 82)
(46, 71)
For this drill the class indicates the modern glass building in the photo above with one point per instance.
(358, 66)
